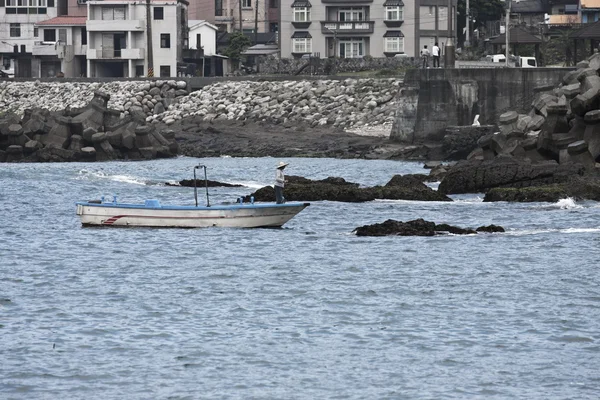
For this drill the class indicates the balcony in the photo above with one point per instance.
(393, 23)
(44, 49)
(112, 54)
(345, 2)
(101, 25)
(222, 15)
(347, 27)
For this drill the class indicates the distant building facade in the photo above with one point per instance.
(355, 29)
(120, 36)
(18, 32)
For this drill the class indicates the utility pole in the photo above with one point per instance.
(256, 22)
(240, 10)
(149, 39)
(468, 25)
(450, 55)
(507, 32)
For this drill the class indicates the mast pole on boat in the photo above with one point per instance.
(205, 185)
(195, 188)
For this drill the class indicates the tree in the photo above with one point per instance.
(238, 42)
(481, 11)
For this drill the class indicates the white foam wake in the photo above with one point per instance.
(84, 174)
(566, 204)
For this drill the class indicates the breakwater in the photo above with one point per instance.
(348, 103)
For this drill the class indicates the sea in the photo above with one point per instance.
(308, 311)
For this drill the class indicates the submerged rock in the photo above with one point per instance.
(201, 183)
(418, 227)
(577, 188)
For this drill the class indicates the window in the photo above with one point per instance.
(198, 41)
(49, 35)
(351, 14)
(139, 70)
(394, 44)
(165, 41)
(62, 36)
(23, 48)
(29, 3)
(36, 32)
(274, 3)
(394, 13)
(302, 45)
(159, 13)
(113, 13)
(15, 30)
(83, 35)
(165, 71)
(246, 3)
(273, 27)
(352, 48)
(301, 14)
(219, 8)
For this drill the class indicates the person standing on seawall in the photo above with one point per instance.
(425, 56)
(280, 182)
(435, 52)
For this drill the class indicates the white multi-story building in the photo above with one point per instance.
(18, 32)
(123, 42)
(61, 47)
(358, 28)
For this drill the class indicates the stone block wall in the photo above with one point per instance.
(272, 65)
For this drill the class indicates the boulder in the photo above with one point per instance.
(76, 143)
(59, 135)
(476, 176)
(14, 153)
(418, 227)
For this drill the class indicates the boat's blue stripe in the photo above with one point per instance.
(216, 207)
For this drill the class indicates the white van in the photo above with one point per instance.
(526, 62)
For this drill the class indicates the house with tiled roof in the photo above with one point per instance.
(18, 32)
(61, 48)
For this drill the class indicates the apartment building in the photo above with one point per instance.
(61, 49)
(225, 14)
(123, 42)
(18, 32)
(359, 28)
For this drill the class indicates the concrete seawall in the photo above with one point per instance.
(433, 99)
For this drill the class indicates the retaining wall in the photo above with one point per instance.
(433, 99)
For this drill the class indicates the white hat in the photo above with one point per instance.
(282, 164)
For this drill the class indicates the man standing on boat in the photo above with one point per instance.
(280, 182)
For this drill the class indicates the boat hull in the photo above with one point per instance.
(229, 216)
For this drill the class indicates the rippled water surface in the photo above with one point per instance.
(309, 311)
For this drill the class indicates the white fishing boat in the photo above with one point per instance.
(153, 214)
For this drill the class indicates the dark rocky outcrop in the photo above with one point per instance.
(92, 133)
(577, 188)
(460, 141)
(201, 183)
(419, 227)
(478, 176)
(337, 189)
